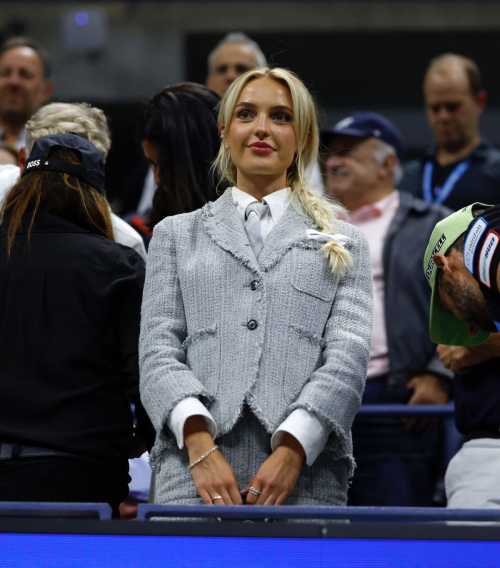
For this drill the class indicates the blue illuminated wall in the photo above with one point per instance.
(90, 551)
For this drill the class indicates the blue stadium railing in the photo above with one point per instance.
(101, 511)
(287, 512)
(437, 410)
(147, 512)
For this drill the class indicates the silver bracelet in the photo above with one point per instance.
(196, 462)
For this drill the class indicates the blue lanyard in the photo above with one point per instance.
(448, 186)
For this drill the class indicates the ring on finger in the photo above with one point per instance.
(254, 491)
(216, 497)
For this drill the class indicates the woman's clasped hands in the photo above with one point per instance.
(216, 481)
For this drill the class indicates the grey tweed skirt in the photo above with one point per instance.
(246, 447)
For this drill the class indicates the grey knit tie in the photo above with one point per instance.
(253, 215)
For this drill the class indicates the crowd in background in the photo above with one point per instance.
(400, 462)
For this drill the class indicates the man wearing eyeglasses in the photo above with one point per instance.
(461, 167)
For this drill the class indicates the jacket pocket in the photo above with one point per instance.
(311, 274)
(203, 356)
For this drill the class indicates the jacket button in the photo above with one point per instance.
(252, 324)
(254, 285)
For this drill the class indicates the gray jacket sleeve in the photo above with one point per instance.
(165, 377)
(335, 389)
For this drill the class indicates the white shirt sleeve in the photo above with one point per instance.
(186, 408)
(127, 235)
(308, 428)
(9, 175)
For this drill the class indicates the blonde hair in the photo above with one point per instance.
(321, 209)
(81, 118)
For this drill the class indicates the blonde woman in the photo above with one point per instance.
(256, 319)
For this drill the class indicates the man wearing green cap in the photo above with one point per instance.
(465, 291)
(462, 266)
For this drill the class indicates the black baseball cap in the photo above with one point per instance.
(90, 170)
(367, 125)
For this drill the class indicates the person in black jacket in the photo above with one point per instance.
(396, 462)
(70, 311)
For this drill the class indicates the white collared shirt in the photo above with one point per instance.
(308, 428)
(277, 203)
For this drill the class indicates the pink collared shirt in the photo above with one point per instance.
(374, 221)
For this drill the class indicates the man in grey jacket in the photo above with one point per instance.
(396, 460)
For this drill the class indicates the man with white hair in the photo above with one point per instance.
(234, 55)
(396, 460)
(89, 123)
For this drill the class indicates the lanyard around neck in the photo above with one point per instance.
(448, 186)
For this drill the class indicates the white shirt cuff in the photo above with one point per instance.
(308, 428)
(186, 408)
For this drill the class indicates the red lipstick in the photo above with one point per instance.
(261, 148)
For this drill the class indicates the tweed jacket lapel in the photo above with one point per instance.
(289, 231)
(226, 229)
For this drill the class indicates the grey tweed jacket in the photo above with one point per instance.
(279, 333)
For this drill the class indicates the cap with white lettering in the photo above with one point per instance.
(444, 327)
(91, 170)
